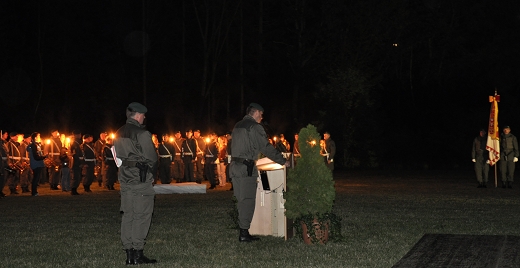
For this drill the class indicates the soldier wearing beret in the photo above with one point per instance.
(178, 165)
(90, 161)
(77, 162)
(166, 153)
(189, 148)
(199, 159)
(508, 157)
(136, 151)
(249, 140)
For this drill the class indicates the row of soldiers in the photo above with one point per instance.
(191, 158)
(85, 162)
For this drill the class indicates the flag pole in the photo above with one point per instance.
(493, 141)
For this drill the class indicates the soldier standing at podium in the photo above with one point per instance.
(249, 139)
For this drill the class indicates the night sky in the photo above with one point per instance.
(397, 83)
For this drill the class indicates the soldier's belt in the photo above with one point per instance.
(177, 153)
(209, 155)
(80, 158)
(165, 156)
(110, 158)
(200, 153)
(240, 160)
(4, 157)
(90, 160)
(15, 157)
(188, 154)
(54, 154)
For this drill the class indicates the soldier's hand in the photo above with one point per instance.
(515, 159)
(473, 160)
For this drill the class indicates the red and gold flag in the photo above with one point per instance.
(493, 141)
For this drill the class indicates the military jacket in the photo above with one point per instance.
(134, 143)
(249, 140)
(189, 147)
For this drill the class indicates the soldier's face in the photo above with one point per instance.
(258, 116)
(507, 130)
(326, 136)
(196, 134)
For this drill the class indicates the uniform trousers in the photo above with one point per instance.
(188, 169)
(178, 170)
(89, 174)
(76, 175)
(111, 174)
(137, 201)
(245, 192)
(209, 171)
(54, 175)
(165, 170)
(25, 178)
(65, 178)
(507, 170)
(481, 170)
(199, 169)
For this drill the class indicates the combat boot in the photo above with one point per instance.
(246, 237)
(87, 188)
(140, 258)
(74, 191)
(130, 256)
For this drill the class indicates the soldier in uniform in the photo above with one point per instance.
(110, 164)
(211, 155)
(53, 149)
(77, 162)
(199, 159)
(3, 162)
(100, 163)
(330, 150)
(134, 147)
(296, 148)
(165, 151)
(90, 161)
(508, 157)
(14, 162)
(480, 157)
(249, 140)
(26, 174)
(188, 156)
(178, 165)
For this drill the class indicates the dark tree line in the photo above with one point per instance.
(398, 83)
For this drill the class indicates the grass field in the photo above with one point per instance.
(384, 215)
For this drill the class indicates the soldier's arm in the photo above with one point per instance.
(260, 139)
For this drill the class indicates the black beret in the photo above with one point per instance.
(137, 107)
(257, 106)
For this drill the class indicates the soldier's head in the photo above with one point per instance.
(103, 135)
(5, 134)
(178, 135)
(55, 133)
(109, 140)
(506, 130)
(77, 134)
(326, 135)
(196, 134)
(87, 138)
(136, 111)
(482, 132)
(295, 136)
(256, 111)
(35, 137)
(189, 133)
(13, 136)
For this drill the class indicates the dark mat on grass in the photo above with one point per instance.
(446, 250)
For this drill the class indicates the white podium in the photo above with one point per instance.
(269, 217)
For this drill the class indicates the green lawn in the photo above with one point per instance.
(384, 215)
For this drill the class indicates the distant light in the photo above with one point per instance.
(395, 44)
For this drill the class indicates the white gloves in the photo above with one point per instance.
(473, 160)
(487, 161)
(515, 159)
